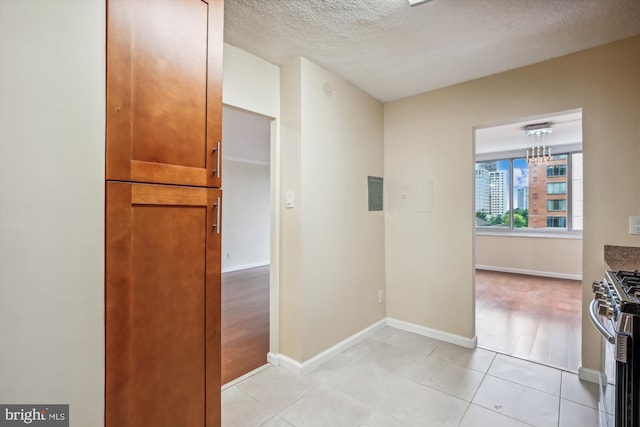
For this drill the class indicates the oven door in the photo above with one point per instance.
(607, 383)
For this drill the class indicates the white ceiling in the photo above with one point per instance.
(392, 50)
(566, 130)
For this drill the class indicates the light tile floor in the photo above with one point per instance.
(397, 378)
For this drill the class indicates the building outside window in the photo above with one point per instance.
(557, 170)
(512, 194)
(557, 188)
(492, 193)
(557, 205)
(556, 221)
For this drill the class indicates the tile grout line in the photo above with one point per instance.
(560, 398)
(431, 354)
(484, 375)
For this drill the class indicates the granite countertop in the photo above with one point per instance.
(622, 257)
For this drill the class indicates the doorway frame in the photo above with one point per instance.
(474, 142)
(274, 230)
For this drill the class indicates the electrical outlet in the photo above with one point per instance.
(380, 296)
(634, 225)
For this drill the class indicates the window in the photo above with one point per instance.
(557, 205)
(492, 193)
(512, 194)
(557, 170)
(556, 188)
(556, 221)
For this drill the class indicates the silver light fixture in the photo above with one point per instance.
(539, 152)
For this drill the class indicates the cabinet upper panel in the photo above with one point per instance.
(169, 75)
(164, 72)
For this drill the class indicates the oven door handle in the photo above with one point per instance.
(597, 322)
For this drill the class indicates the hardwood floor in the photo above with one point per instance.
(535, 318)
(245, 321)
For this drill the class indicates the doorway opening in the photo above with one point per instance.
(246, 240)
(528, 239)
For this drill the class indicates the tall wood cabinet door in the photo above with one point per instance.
(164, 91)
(162, 306)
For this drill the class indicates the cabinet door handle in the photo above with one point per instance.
(216, 171)
(217, 224)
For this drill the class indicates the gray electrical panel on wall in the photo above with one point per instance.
(375, 193)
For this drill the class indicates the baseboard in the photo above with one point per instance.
(591, 375)
(273, 358)
(244, 377)
(245, 266)
(295, 366)
(433, 333)
(530, 272)
(298, 367)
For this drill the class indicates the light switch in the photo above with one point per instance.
(290, 199)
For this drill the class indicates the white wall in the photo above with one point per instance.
(52, 109)
(333, 247)
(429, 252)
(245, 226)
(250, 83)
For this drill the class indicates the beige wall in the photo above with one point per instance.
(52, 108)
(429, 249)
(290, 219)
(333, 247)
(540, 256)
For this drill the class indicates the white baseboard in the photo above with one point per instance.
(530, 272)
(244, 377)
(245, 266)
(433, 333)
(273, 358)
(591, 375)
(295, 366)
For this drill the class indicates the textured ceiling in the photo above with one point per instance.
(392, 50)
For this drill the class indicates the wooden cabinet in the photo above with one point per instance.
(163, 156)
(163, 278)
(164, 91)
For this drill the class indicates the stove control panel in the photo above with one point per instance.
(607, 299)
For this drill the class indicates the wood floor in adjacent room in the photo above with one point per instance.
(245, 321)
(535, 318)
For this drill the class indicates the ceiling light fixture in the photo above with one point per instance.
(417, 2)
(538, 153)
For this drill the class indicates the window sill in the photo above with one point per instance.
(574, 235)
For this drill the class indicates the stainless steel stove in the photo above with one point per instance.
(615, 312)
